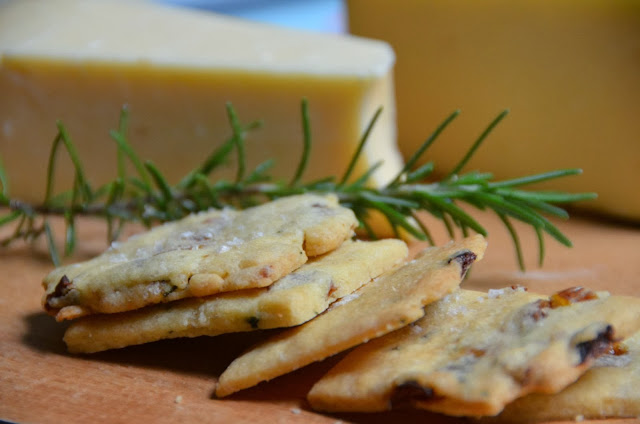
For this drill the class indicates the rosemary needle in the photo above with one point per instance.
(148, 197)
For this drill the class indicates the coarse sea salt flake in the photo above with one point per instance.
(236, 241)
(155, 288)
(120, 257)
(202, 317)
(453, 297)
(495, 293)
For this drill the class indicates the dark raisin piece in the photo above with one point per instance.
(253, 322)
(602, 344)
(409, 391)
(170, 289)
(63, 287)
(465, 259)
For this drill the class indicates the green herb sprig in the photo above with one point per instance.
(148, 198)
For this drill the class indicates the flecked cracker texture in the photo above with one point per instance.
(201, 255)
(610, 389)
(387, 303)
(290, 301)
(473, 353)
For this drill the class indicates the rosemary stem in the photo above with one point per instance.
(149, 198)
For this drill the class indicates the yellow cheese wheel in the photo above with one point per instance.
(568, 70)
(81, 61)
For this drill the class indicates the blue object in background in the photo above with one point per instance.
(312, 15)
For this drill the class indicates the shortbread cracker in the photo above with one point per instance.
(473, 353)
(387, 303)
(292, 300)
(201, 255)
(611, 389)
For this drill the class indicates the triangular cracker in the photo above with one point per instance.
(290, 301)
(201, 255)
(473, 353)
(387, 303)
(610, 389)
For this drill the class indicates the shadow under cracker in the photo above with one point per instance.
(209, 356)
(204, 356)
(44, 333)
(291, 386)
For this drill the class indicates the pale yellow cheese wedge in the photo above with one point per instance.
(567, 69)
(81, 61)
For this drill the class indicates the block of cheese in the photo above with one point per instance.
(569, 71)
(81, 61)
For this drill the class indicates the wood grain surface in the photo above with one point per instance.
(173, 381)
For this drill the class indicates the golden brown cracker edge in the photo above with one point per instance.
(200, 255)
(473, 353)
(292, 300)
(385, 304)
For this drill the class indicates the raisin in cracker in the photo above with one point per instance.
(201, 255)
(610, 389)
(473, 353)
(292, 300)
(387, 303)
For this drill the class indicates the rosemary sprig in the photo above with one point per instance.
(148, 198)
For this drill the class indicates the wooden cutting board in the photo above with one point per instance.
(172, 381)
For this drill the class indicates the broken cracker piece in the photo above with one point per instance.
(201, 255)
(610, 389)
(473, 353)
(387, 303)
(292, 300)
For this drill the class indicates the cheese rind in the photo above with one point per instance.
(176, 70)
(567, 69)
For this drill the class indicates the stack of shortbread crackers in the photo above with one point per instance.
(422, 342)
